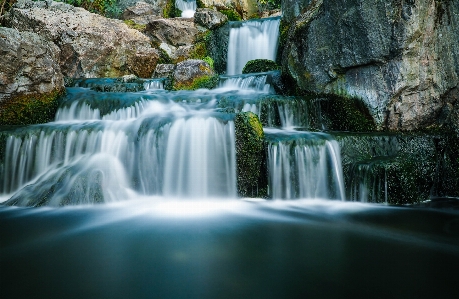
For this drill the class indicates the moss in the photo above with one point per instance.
(259, 65)
(249, 155)
(170, 11)
(345, 114)
(200, 4)
(28, 109)
(232, 15)
(134, 25)
(208, 82)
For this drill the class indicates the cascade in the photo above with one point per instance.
(188, 8)
(255, 39)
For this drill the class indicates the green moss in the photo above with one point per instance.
(134, 25)
(200, 4)
(170, 11)
(249, 155)
(259, 65)
(231, 14)
(346, 114)
(28, 109)
(208, 82)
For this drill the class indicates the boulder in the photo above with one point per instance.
(400, 57)
(157, 6)
(176, 32)
(140, 9)
(91, 45)
(245, 8)
(28, 64)
(193, 74)
(209, 18)
(164, 70)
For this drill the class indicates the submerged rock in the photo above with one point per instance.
(399, 57)
(91, 45)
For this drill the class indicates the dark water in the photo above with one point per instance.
(154, 248)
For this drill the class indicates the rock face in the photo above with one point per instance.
(400, 57)
(28, 64)
(91, 45)
(156, 5)
(209, 18)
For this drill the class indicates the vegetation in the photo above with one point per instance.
(134, 25)
(232, 14)
(259, 65)
(170, 11)
(249, 155)
(5, 5)
(208, 82)
(28, 109)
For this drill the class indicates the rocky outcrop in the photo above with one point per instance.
(90, 45)
(176, 32)
(400, 57)
(209, 18)
(28, 64)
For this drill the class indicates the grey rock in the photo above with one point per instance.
(400, 57)
(187, 71)
(164, 70)
(91, 45)
(209, 18)
(176, 32)
(157, 5)
(140, 9)
(28, 64)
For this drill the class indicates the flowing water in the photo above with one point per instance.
(132, 193)
(188, 8)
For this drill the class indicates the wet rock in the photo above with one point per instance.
(209, 18)
(399, 57)
(91, 45)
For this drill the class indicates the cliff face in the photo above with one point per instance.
(401, 57)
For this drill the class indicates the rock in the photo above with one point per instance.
(209, 18)
(193, 74)
(28, 64)
(136, 6)
(176, 32)
(245, 8)
(91, 45)
(164, 70)
(249, 154)
(259, 66)
(140, 9)
(30, 78)
(400, 58)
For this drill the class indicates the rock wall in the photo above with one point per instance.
(90, 45)
(401, 57)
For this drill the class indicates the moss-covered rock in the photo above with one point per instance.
(259, 66)
(231, 14)
(249, 155)
(26, 109)
(193, 74)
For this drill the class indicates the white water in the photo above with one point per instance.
(188, 8)
(253, 82)
(252, 40)
(307, 166)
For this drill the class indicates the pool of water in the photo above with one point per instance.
(166, 248)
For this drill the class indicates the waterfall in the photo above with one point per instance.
(255, 82)
(303, 165)
(188, 8)
(250, 40)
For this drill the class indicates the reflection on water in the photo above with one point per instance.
(157, 248)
